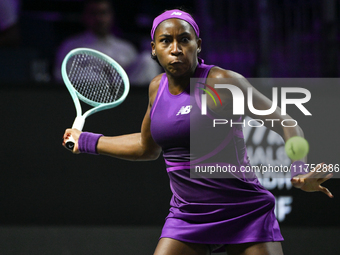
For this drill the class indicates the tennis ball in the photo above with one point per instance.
(296, 147)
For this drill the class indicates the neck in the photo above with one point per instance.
(177, 84)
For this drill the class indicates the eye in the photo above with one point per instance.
(185, 39)
(164, 40)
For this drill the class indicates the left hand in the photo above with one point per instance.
(311, 182)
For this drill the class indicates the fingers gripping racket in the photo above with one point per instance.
(94, 78)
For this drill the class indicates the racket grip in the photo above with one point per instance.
(77, 124)
(70, 143)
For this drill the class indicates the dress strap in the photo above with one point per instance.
(162, 85)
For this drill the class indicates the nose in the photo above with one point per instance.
(176, 48)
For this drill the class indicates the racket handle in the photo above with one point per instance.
(77, 124)
(70, 143)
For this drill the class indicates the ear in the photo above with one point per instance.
(153, 47)
(199, 44)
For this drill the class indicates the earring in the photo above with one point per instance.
(198, 50)
(153, 54)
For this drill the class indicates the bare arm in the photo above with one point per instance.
(137, 146)
(260, 102)
(309, 182)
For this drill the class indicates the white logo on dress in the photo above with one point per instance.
(184, 110)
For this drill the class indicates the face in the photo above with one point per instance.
(98, 18)
(176, 47)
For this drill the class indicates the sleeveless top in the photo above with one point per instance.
(234, 209)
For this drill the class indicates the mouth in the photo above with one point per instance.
(175, 62)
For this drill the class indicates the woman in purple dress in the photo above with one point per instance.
(234, 214)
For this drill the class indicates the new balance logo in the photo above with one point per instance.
(184, 110)
(176, 13)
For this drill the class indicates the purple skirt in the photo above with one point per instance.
(220, 211)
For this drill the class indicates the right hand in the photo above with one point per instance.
(75, 133)
(311, 181)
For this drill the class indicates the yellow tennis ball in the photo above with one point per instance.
(296, 147)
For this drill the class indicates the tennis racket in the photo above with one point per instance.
(95, 79)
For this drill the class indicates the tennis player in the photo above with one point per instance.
(222, 214)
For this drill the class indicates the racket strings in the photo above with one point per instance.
(95, 79)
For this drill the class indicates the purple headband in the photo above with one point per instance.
(174, 14)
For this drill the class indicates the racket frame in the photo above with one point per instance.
(80, 119)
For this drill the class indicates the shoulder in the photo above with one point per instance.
(230, 77)
(218, 72)
(154, 84)
(153, 87)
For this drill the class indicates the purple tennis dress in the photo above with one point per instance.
(204, 210)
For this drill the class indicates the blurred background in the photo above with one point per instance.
(53, 202)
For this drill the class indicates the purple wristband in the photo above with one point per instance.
(298, 167)
(87, 142)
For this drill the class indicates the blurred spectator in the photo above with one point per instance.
(9, 23)
(98, 19)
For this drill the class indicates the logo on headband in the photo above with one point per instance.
(176, 13)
